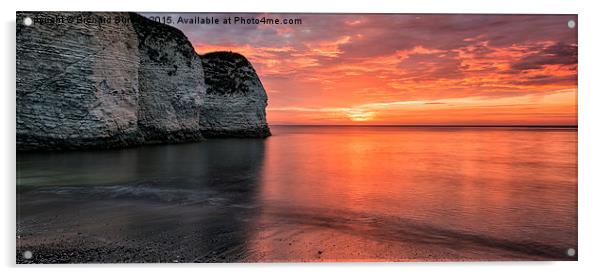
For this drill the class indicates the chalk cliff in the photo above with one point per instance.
(95, 84)
(235, 102)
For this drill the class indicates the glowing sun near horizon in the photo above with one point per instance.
(360, 115)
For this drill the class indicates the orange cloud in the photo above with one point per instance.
(444, 70)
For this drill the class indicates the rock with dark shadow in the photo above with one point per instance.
(95, 82)
(171, 83)
(236, 100)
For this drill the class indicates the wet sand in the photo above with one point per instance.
(70, 230)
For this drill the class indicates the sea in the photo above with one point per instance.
(308, 194)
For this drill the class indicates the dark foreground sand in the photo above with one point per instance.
(67, 229)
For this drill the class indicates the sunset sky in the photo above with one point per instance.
(407, 69)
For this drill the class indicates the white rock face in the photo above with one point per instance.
(77, 84)
(236, 100)
(171, 83)
(105, 85)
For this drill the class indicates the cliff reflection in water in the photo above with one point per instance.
(188, 202)
(309, 194)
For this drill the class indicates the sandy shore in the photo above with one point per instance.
(68, 229)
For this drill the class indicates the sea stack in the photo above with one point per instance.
(235, 101)
(99, 84)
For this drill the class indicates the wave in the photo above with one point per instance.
(393, 229)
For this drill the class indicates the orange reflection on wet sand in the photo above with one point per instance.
(401, 194)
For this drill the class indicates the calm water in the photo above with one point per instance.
(313, 194)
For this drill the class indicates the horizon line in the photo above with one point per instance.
(427, 125)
